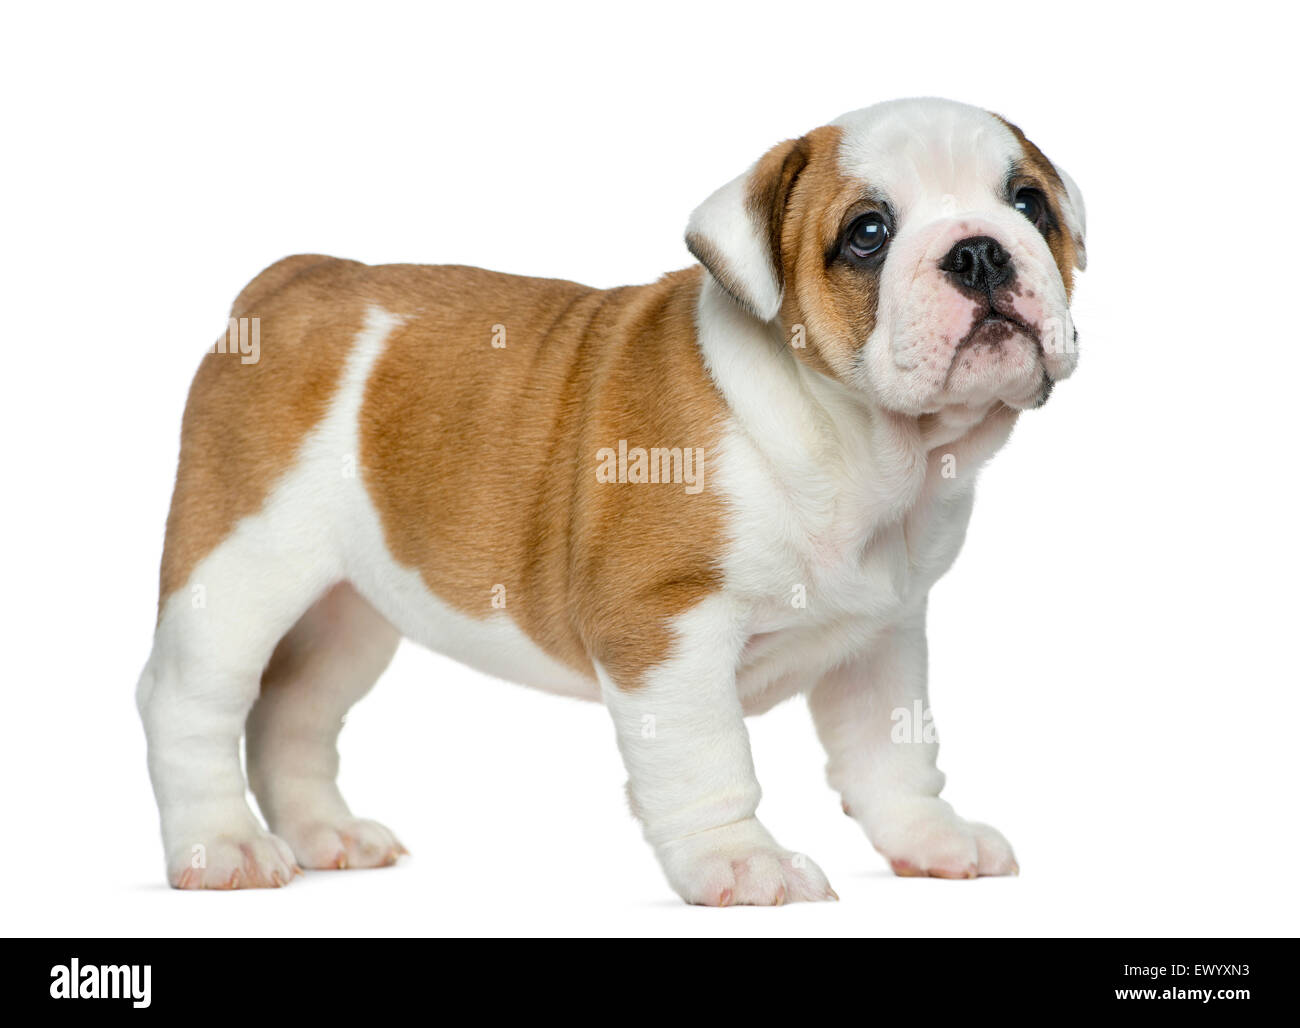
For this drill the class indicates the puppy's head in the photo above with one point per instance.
(922, 251)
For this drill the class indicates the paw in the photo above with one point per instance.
(926, 837)
(741, 864)
(337, 845)
(246, 860)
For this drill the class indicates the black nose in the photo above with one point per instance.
(978, 263)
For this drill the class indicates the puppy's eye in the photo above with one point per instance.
(1031, 204)
(868, 235)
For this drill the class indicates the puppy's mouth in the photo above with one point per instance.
(992, 327)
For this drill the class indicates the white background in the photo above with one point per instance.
(1113, 655)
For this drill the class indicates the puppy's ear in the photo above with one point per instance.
(1075, 217)
(736, 232)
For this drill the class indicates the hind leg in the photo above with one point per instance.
(213, 641)
(327, 661)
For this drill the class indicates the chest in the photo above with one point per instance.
(819, 581)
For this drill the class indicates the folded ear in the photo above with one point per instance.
(736, 232)
(1075, 217)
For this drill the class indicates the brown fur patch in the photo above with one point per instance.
(836, 303)
(482, 461)
(768, 194)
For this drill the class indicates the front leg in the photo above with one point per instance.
(872, 716)
(691, 778)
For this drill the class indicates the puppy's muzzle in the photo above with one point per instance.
(979, 266)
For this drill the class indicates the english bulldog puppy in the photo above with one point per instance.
(687, 500)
